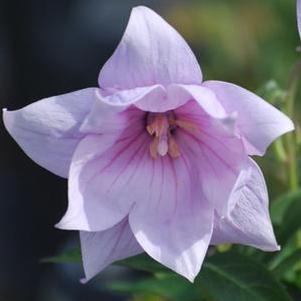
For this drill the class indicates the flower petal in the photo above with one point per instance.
(217, 152)
(103, 177)
(203, 96)
(150, 52)
(177, 95)
(258, 122)
(249, 222)
(151, 99)
(157, 98)
(48, 130)
(100, 249)
(110, 113)
(173, 222)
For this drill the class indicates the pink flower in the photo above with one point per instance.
(157, 160)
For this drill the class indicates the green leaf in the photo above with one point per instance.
(281, 204)
(286, 265)
(291, 246)
(235, 277)
(171, 287)
(291, 221)
(69, 256)
(226, 276)
(145, 263)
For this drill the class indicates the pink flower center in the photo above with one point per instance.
(162, 127)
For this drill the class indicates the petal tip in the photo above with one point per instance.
(291, 126)
(5, 116)
(191, 278)
(9, 122)
(59, 226)
(65, 224)
(271, 248)
(84, 280)
(144, 55)
(253, 112)
(141, 7)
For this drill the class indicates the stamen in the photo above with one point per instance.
(187, 125)
(162, 126)
(153, 148)
(173, 148)
(157, 124)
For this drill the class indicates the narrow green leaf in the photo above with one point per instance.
(69, 256)
(171, 287)
(143, 262)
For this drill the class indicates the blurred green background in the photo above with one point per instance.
(56, 46)
(247, 42)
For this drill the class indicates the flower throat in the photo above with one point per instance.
(162, 127)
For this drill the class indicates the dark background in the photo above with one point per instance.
(57, 46)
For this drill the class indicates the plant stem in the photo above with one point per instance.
(291, 137)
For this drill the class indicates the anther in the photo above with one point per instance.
(173, 148)
(162, 127)
(187, 125)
